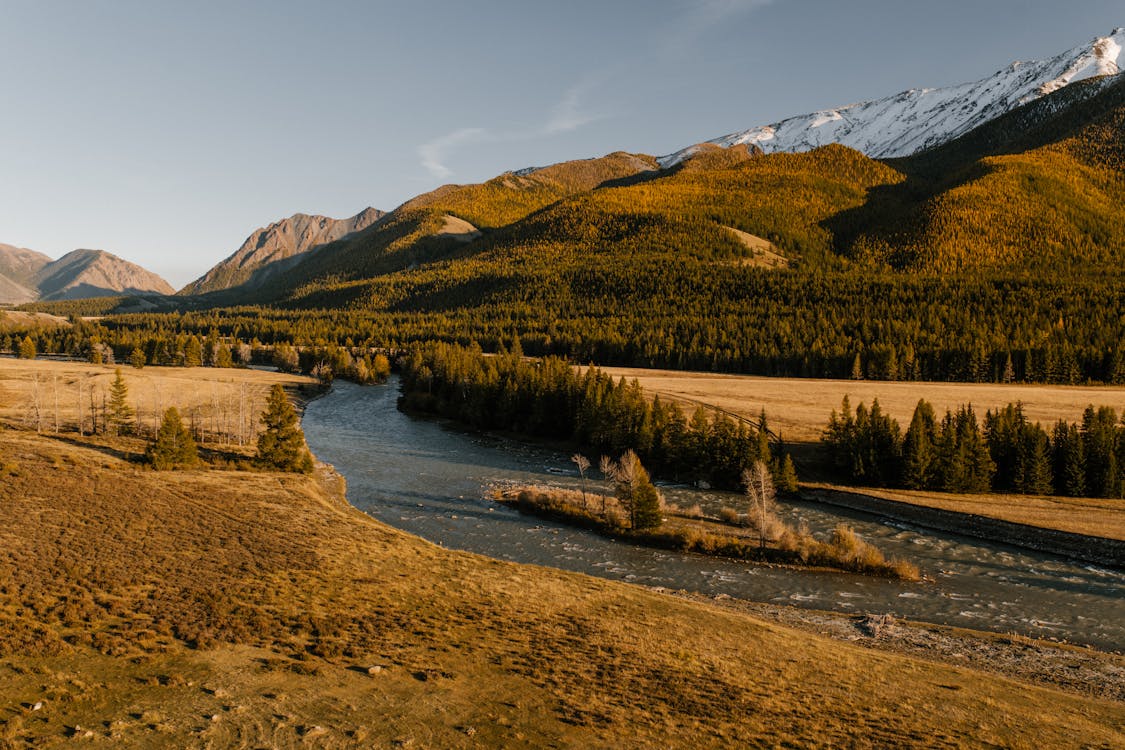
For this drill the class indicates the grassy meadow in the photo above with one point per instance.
(219, 608)
(220, 404)
(237, 609)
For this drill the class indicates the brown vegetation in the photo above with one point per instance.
(224, 609)
(219, 405)
(730, 535)
(798, 407)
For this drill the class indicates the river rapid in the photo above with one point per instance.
(426, 477)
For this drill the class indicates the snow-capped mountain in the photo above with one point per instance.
(918, 119)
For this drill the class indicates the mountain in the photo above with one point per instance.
(271, 250)
(918, 119)
(94, 273)
(17, 268)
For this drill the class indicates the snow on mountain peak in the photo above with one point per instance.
(918, 119)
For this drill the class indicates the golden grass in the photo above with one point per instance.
(208, 608)
(726, 536)
(214, 401)
(798, 408)
(1078, 515)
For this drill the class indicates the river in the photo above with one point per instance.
(426, 477)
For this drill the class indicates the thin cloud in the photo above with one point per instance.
(568, 114)
(435, 153)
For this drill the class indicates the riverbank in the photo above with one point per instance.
(242, 608)
(695, 533)
(926, 513)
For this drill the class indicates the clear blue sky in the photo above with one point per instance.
(166, 132)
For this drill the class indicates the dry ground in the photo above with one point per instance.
(799, 409)
(1078, 515)
(238, 609)
(220, 404)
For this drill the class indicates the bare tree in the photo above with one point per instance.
(56, 393)
(762, 512)
(608, 467)
(36, 407)
(81, 421)
(582, 463)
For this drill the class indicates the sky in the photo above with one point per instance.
(166, 132)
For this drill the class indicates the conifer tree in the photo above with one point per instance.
(119, 415)
(787, 479)
(174, 447)
(919, 450)
(27, 349)
(137, 358)
(637, 494)
(193, 353)
(282, 444)
(1068, 461)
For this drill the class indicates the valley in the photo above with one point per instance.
(285, 616)
(807, 435)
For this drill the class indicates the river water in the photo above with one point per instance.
(426, 477)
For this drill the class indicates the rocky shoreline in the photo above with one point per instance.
(1076, 669)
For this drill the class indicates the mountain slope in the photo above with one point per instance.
(1038, 189)
(418, 233)
(272, 250)
(17, 268)
(95, 273)
(914, 120)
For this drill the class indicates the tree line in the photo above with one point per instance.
(959, 453)
(548, 398)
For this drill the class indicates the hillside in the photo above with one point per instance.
(27, 276)
(272, 250)
(18, 267)
(226, 608)
(1039, 189)
(95, 273)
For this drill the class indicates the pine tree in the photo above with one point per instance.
(137, 358)
(119, 416)
(282, 445)
(787, 478)
(919, 450)
(637, 494)
(174, 447)
(193, 353)
(27, 348)
(1068, 461)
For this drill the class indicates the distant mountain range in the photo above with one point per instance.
(27, 276)
(1018, 170)
(278, 247)
(918, 119)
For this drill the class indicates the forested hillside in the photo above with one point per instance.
(994, 257)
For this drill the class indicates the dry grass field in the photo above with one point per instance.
(799, 410)
(220, 404)
(1078, 515)
(240, 609)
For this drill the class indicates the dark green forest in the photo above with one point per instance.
(547, 398)
(1004, 452)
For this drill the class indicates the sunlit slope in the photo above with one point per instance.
(1040, 189)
